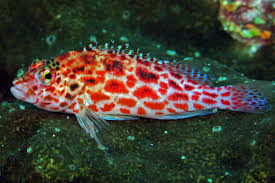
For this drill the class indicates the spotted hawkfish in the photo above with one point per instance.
(109, 82)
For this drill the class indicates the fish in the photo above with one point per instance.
(112, 82)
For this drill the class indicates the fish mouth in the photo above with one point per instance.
(20, 93)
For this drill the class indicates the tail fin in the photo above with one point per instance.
(247, 97)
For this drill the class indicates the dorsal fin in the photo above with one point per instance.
(185, 70)
(118, 49)
(36, 64)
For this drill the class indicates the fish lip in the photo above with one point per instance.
(17, 88)
(16, 92)
(14, 89)
(19, 93)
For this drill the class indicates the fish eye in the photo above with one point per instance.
(47, 76)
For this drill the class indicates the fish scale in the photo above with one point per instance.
(115, 83)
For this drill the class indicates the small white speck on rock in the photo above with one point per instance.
(171, 52)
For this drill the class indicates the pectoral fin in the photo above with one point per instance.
(92, 123)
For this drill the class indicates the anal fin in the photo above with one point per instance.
(186, 114)
(118, 117)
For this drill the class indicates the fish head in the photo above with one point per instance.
(38, 84)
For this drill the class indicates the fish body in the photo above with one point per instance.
(107, 82)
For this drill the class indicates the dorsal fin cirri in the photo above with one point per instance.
(181, 67)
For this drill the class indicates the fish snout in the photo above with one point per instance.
(21, 90)
(17, 81)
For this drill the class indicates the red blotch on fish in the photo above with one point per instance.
(146, 76)
(127, 102)
(125, 111)
(182, 106)
(107, 107)
(145, 92)
(98, 96)
(178, 96)
(131, 80)
(115, 86)
(141, 111)
(154, 105)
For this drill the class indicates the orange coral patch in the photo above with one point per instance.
(266, 34)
